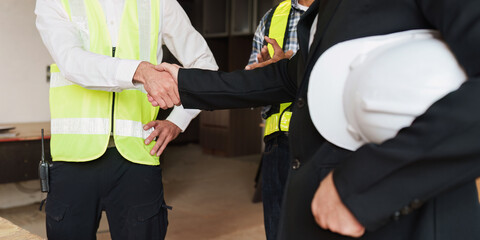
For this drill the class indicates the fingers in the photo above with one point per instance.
(265, 54)
(259, 65)
(352, 231)
(163, 90)
(160, 133)
(160, 67)
(330, 212)
(251, 66)
(160, 103)
(172, 69)
(289, 54)
(152, 101)
(177, 96)
(276, 48)
(167, 96)
(158, 145)
(165, 131)
(152, 135)
(160, 86)
(149, 125)
(173, 94)
(259, 57)
(262, 56)
(162, 146)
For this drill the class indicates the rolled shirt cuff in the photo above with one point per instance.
(125, 71)
(182, 117)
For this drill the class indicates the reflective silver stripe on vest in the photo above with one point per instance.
(130, 128)
(80, 126)
(143, 12)
(58, 80)
(79, 18)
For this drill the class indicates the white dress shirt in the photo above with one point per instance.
(99, 72)
(313, 30)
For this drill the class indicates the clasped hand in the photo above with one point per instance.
(160, 82)
(331, 213)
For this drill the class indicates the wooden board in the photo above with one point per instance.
(27, 131)
(478, 189)
(10, 231)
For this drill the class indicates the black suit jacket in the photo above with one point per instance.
(418, 185)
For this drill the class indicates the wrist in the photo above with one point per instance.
(140, 73)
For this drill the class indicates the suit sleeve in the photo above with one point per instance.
(210, 90)
(439, 151)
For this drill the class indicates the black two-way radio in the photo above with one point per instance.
(43, 170)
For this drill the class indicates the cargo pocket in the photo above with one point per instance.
(55, 223)
(55, 210)
(148, 221)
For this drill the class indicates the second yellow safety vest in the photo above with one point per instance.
(82, 120)
(279, 121)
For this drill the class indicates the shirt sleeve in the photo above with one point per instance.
(273, 84)
(63, 40)
(258, 38)
(439, 152)
(189, 48)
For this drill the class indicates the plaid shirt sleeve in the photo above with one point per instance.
(258, 38)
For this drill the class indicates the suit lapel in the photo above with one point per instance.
(303, 28)
(326, 11)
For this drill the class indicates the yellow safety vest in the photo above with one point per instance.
(278, 26)
(83, 119)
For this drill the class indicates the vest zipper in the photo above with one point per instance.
(113, 99)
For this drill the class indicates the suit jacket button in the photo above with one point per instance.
(300, 102)
(396, 215)
(295, 164)
(405, 210)
(416, 203)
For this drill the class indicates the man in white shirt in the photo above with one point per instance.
(125, 178)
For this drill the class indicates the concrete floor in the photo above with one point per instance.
(211, 198)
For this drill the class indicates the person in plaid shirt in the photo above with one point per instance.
(275, 160)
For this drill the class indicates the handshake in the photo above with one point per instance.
(160, 82)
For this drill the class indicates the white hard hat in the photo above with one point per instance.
(365, 90)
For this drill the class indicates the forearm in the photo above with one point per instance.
(440, 150)
(218, 90)
(97, 72)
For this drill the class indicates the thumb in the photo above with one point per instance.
(172, 69)
(169, 68)
(159, 67)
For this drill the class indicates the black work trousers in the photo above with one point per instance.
(130, 194)
(275, 166)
